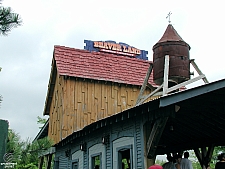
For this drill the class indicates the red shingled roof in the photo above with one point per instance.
(101, 66)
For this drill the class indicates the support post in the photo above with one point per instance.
(151, 94)
(48, 161)
(199, 71)
(166, 75)
(41, 161)
(3, 140)
(146, 132)
(155, 136)
(204, 157)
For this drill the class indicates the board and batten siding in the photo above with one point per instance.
(78, 102)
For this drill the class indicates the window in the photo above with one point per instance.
(125, 158)
(77, 159)
(96, 161)
(56, 163)
(123, 153)
(97, 156)
(75, 165)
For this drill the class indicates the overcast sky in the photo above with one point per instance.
(26, 53)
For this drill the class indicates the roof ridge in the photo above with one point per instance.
(101, 53)
(100, 66)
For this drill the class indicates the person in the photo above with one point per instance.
(155, 166)
(177, 158)
(169, 164)
(221, 163)
(185, 162)
(97, 167)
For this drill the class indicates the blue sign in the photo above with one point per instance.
(115, 48)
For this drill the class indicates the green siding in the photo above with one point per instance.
(3, 139)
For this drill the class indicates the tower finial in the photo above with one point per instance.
(168, 16)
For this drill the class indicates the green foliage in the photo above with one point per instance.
(28, 166)
(14, 145)
(196, 165)
(160, 162)
(25, 153)
(217, 150)
(8, 20)
(97, 160)
(41, 121)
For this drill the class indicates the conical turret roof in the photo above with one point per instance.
(170, 35)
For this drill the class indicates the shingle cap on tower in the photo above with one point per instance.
(170, 35)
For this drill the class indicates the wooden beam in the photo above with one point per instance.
(150, 87)
(185, 83)
(151, 94)
(143, 87)
(155, 136)
(166, 75)
(203, 151)
(210, 151)
(204, 157)
(199, 71)
(198, 155)
(40, 163)
(49, 161)
(208, 156)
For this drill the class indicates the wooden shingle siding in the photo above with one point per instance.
(79, 102)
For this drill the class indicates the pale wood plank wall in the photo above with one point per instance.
(79, 102)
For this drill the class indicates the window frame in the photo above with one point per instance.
(124, 148)
(93, 162)
(74, 161)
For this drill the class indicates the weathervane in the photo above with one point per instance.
(168, 16)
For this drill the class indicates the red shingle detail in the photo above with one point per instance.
(101, 66)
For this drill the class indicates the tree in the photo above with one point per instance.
(25, 153)
(30, 151)
(41, 121)
(14, 144)
(0, 99)
(217, 150)
(8, 20)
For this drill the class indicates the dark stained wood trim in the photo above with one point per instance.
(204, 157)
(40, 163)
(49, 160)
(155, 136)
